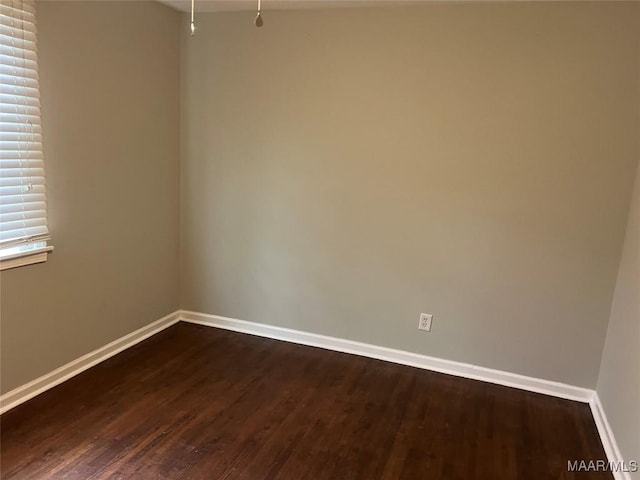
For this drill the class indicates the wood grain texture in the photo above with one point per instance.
(194, 402)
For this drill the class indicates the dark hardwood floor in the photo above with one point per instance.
(195, 402)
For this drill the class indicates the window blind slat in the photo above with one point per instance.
(16, 101)
(36, 234)
(19, 146)
(15, 32)
(20, 72)
(13, 79)
(9, 116)
(25, 223)
(22, 88)
(27, 110)
(11, 193)
(27, 219)
(24, 138)
(23, 169)
(26, 40)
(17, 8)
(20, 127)
(25, 160)
(18, 57)
(23, 198)
(6, 182)
(9, 209)
(22, 181)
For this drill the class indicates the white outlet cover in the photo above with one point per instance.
(425, 322)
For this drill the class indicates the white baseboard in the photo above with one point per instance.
(607, 437)
(458, 369)
(21, 394)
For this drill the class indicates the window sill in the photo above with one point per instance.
(39, 255)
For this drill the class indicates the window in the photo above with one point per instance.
(23, 208)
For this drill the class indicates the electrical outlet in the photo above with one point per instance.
(425, 322)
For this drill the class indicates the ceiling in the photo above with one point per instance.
(240, 5)
(237, 5)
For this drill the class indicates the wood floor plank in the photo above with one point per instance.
(194, 402)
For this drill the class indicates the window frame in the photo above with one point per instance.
(23, 250)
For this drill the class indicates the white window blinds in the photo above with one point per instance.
(23, 218)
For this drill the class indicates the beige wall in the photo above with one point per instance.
(110, 104)
(342, 172)
(345, 170)
(619, 380)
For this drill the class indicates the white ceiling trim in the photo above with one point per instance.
(244, 5)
